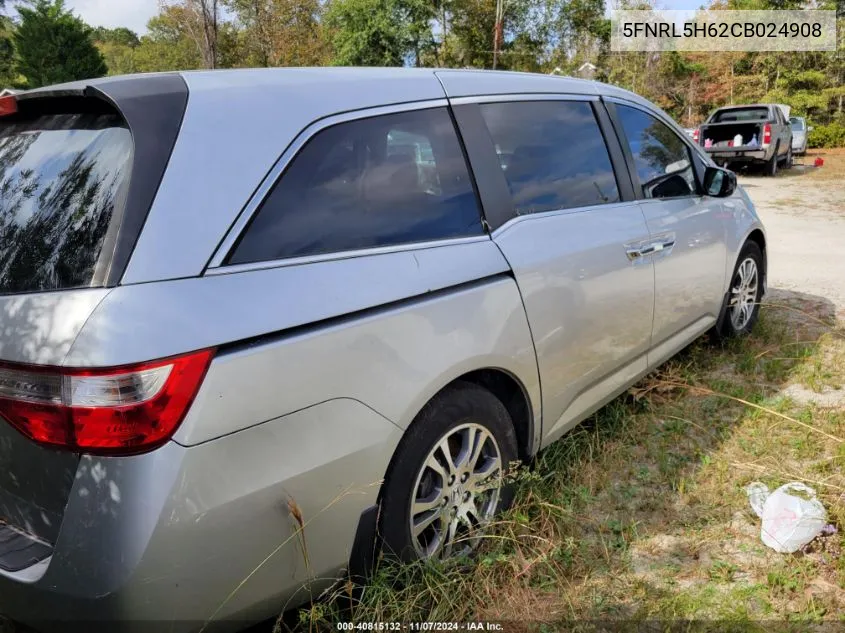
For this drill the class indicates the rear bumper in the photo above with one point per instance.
(740, 156)
(170, 535)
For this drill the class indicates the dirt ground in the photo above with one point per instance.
(804, 212)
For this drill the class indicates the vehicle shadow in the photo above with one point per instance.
(802, 166)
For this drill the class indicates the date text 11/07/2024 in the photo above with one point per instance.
(420, 626)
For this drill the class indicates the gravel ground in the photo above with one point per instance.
(803, 210)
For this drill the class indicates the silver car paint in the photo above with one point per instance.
(401, 373)
(590, 308)
(207, 183)
(175, 531)
(689, 275)
(40, 328)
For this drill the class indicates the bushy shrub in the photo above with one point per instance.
(832, 135)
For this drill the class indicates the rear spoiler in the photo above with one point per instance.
(153, 107)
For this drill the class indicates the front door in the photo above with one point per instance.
(688, 238)
(588, 301)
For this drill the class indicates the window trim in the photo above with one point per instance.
(698, 172)
(518, 96)
(495, 195)
(217, 264)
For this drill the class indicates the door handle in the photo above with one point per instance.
(636, 253)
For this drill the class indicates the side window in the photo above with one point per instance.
(552, 153)
(662, 160)
(387, 180)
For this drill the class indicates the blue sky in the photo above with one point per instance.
(111, 13)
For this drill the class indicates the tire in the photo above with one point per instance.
(787, 163)
(457, 414)
(730, 324)
(772, 165)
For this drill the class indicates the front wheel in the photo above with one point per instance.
(746, 291)
(447, 479)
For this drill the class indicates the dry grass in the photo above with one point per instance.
(640, 513)
(834, 164)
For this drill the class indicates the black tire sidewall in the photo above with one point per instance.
(751, 249)
(457, 404)
(772, 166)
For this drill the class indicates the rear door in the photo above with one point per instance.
(65, 166)
(566, 225)
(688, 235)
(64, 171)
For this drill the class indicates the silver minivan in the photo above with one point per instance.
(257, 325)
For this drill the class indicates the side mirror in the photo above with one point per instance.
(809, 128)
(718, 182)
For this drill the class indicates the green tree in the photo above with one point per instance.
(121, 35)
(166, 46)
(117, 47)
(8, 73)
(280, 32)
(367, 32)
(54, 46)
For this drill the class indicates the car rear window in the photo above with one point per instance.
(741, 115)
(797, 124)
(62, 180)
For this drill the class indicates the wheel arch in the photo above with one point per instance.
(514, 395)
(758, 237)
(510, 390)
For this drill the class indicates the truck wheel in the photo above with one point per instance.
(787, 164)
(772, 165)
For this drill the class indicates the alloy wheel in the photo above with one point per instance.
(743, 298)
(456, 492)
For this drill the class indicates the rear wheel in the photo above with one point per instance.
(772, 165)
(447, 479)
(787, 163)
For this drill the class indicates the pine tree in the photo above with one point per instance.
(54, 46)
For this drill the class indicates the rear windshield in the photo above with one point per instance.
(62, 179)
(797, 124)
(741, 114)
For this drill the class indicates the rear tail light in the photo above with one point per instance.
(767, 134)
(8, 105)
(129, 409)
(695, 135)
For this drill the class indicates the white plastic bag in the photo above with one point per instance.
(757, 495)
(792, 515)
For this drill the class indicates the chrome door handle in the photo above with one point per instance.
(636, 253)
